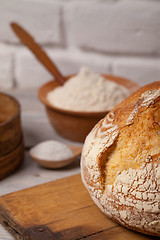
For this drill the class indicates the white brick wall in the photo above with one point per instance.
(6, 67)
(31, 74)
(142, 70)
(41, 18)
(117, 37)
(115, 26)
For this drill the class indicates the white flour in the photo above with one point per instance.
(51, 151)
(88, 91)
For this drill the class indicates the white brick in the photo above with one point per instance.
(140, 70)
(41, 19)
(31, 74)
(115, 26)
(6, 67)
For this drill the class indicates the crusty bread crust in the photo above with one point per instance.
(120, 163)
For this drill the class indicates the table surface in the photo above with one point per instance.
(36, 128)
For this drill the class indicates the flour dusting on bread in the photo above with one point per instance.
(120, 163)
(145, 100)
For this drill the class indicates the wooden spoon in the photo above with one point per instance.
(39, 53)
(76, 150)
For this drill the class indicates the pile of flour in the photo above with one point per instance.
(89, 92)
(51, 150)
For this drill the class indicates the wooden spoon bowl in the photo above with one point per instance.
(58, 164)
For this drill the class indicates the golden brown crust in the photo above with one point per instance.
(120, 164)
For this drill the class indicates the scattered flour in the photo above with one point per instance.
(88, 91)
(51, 151)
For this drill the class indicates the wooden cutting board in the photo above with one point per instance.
(60, 210)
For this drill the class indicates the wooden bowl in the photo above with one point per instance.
(11, 142)
(10, 125)
(11, 161)
(74, 125)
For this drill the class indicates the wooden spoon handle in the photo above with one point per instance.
(29, 41)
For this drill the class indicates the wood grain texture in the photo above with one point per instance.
(59, 209)
(10, 124)
(11, 161)
(11, 139)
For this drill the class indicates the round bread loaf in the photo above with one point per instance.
(120, 163)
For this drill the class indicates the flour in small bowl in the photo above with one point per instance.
(51, 151)
(89, 92)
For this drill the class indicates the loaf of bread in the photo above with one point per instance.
(120, 163)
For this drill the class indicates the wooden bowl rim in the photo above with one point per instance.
(134, 86)
(17, 111)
